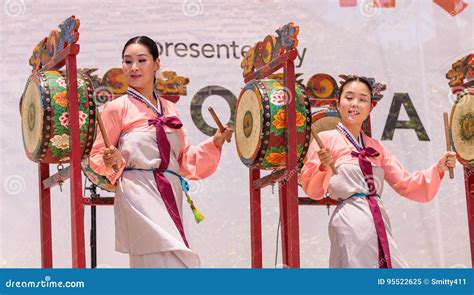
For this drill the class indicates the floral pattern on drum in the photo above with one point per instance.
(59, 143)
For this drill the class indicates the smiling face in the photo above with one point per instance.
(139, 67)
(355, 103)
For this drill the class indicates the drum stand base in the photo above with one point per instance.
(93, 232)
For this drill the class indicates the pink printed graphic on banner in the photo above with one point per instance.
(377, 3)
(347, 3)
(384, 3)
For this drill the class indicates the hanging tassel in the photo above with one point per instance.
(198, 216)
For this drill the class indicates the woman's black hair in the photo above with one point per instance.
(352, 79)
(145, 41)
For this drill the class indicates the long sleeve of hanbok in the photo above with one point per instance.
(420, 186)
(200, 161)
(112, 119)
(314, 181)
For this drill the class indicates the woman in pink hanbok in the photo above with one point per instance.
(148, 159)
(359, 229)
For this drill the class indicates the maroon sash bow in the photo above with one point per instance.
(162, 183)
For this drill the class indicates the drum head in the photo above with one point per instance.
(248, 124)
(462, 127)
(324, 120)
(32, 117)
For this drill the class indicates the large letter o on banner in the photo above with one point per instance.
(198, 101)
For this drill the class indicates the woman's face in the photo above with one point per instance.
(355, 103)
(138, 66)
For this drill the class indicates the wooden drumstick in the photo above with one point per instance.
(321, 146)
(105, 136)
(448, 142)
(218, 122)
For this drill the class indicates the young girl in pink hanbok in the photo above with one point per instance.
(148, 160)
(359, 229)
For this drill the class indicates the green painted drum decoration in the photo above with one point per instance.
(261, 124)
(45, 116)
(462, 127)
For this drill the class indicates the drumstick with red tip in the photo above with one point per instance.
(321, 146)
(448, 143)
(218, 122)
(105, 136)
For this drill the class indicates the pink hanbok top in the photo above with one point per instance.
(142, 223)
(351, 227)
